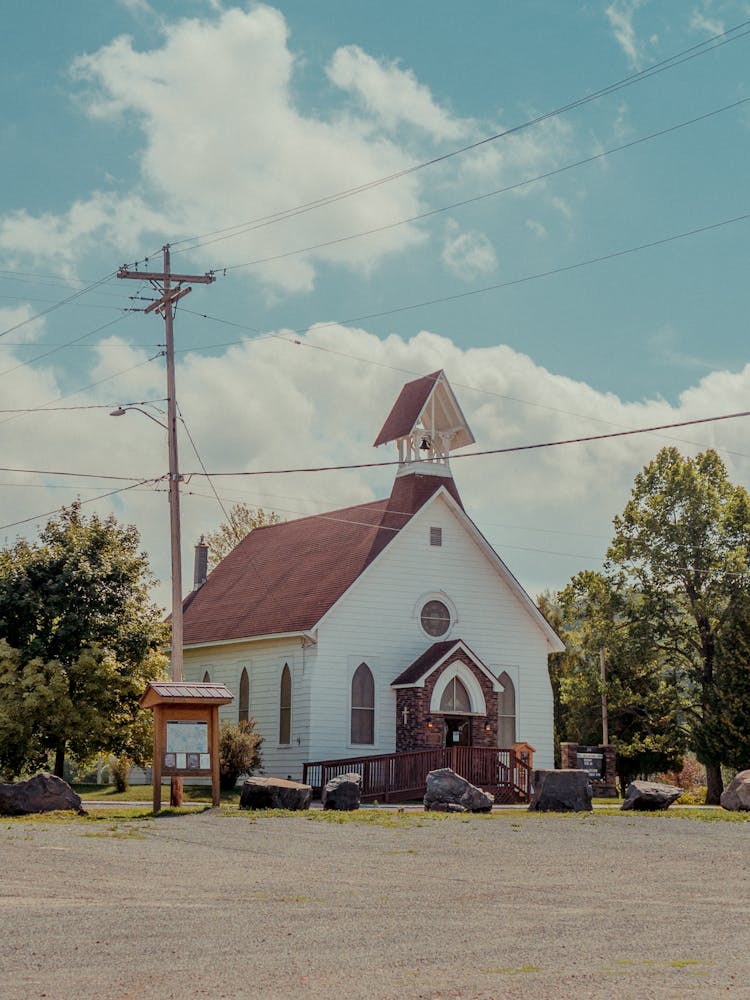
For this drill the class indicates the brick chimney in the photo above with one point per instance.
(200, 570)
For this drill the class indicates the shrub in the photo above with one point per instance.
(696, 796)
(239, 752)
(692, 777)
(119, 769)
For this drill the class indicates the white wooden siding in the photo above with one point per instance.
(264, 662)
(378, 621)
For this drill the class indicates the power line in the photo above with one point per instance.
(60, 347)
(524, 279)
(86, 406)
(533, 277)
(373, 465)
(202, 464)
(490, 451)
(91, 385)
(490, 194)
(694, 51)
(408, 371)
(103, 496)
(74, 475)
(57, 305)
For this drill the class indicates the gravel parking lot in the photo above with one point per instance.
(513, 905)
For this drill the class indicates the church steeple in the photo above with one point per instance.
(426, 423)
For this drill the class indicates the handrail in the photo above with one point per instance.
(398, 776)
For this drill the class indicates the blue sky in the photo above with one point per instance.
(130, 124)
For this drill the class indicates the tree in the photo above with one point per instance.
(725, 727)
(80, 640)
(682, 543)
(241, 521)
(595, 614)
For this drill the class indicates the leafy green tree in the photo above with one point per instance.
(241, 521)
(80, 640)
(561, 666)
(597, 614)
(682, 545)
(724, 730)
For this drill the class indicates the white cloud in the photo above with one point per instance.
(393, 95)
(234, 146)
(137, 7)
(621, 14)
(468, 254)
(325, 407)
(223, 141)
(28, 330)
(97, 223)
(666, 349)
(537, 228)
(220, 137)
(702, 22)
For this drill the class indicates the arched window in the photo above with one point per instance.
(285, 706)
(243, 713)
(363, 705)
(207, 678)
(506, 713)
(455, 698)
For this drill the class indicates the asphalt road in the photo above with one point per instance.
(514, 905)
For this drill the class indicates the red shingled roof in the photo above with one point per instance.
(424, 663)
(284, 577)
(405, 413)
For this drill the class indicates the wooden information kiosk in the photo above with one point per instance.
(186, 732)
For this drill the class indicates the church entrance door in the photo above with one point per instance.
(457, 732)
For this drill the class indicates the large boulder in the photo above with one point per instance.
(344, 792)
(275, 793)
(560, 791)
(42, 793)
(445, 788)
(736, 797)
(646, 796)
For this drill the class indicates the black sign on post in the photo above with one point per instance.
(592, 764)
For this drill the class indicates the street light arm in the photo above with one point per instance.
(122, 410)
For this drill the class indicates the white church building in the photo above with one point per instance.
(391, 626)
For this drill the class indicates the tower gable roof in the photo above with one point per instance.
(409, 411)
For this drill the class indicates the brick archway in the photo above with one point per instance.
(420, 727)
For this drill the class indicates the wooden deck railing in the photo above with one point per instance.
(397, 777)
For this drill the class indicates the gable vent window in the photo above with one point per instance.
(436, 536)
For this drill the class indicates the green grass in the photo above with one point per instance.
(704, 814)
(94, 816)
(144, 793)
(391, 818)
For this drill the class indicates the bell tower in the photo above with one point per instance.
(426, 423)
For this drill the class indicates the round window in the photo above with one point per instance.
(436, 618)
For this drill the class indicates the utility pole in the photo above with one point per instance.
(170, 289)
(603, 675)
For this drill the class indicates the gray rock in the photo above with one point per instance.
(444, 807)
(42, 793)
(560, 791)
(646, 796)
(444, 786)
(343, 792)
(275, 793)
(736, 797)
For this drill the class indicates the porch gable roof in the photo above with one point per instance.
(435, 656)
